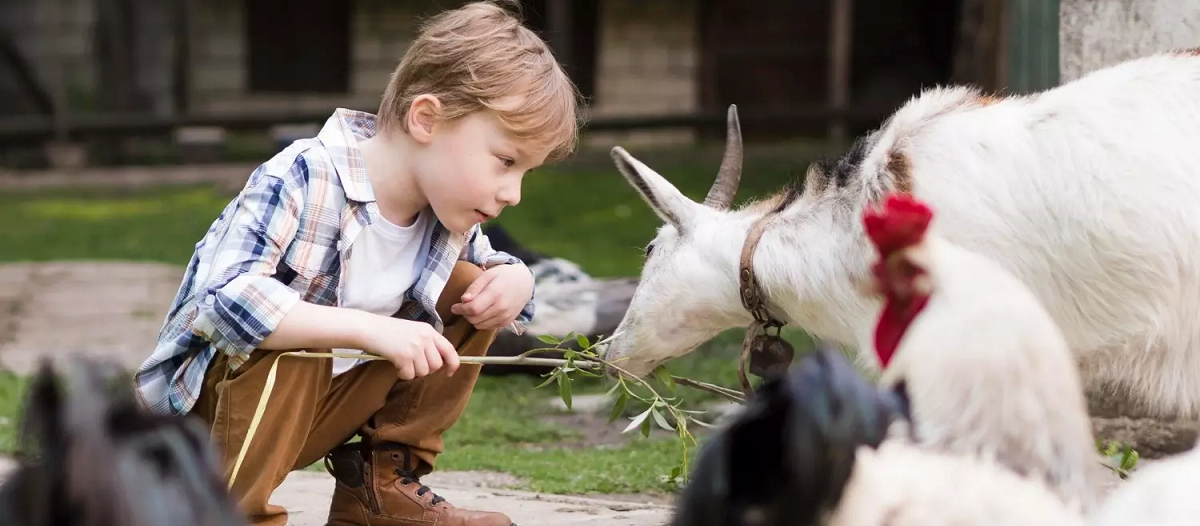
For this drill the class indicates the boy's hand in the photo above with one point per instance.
(415, 348)
(496, 297)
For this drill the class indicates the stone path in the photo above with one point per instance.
(109, 309)
(305, 494)
(230, 176)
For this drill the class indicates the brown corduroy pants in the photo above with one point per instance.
(310, 412)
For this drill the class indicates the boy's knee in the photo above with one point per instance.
(464, 274)
(461, 277)
(465, 270)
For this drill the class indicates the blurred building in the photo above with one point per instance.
(655, 69)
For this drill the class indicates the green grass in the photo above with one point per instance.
(502, 431)
(587, 214)
(162, 224)
(12, 397)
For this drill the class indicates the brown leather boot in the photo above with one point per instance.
(385, 491)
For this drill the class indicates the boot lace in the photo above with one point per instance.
(408, 477)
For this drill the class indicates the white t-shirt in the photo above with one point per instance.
(383, 265)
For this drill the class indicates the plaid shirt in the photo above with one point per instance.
(284, 239)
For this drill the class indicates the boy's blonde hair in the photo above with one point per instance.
(473, 57)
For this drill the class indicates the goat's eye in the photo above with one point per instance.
(649, 249)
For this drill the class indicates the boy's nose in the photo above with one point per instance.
(510, 196)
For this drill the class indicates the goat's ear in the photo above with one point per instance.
(667, 201)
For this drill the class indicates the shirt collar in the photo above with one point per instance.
(340, 135)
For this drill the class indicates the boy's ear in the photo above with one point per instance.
(422, 114)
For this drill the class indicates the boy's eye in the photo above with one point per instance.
(507, 162)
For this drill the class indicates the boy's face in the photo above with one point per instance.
(471, 169)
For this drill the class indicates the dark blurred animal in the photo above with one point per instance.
(566, 300)
(89, 456)
(822, 446)
(786, 458)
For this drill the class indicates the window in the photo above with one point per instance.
(298, 48)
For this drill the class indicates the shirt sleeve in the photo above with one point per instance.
(242, 303)
(479, 251)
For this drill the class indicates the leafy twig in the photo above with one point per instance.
(1119, 457)
(658, 406)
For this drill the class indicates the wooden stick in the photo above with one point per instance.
(526, 360)
(726, 393)
(479, 360)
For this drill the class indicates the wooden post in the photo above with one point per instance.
(558, 16)
(25, 75)
(183, 64)
(59, 89)
(1033, 45)
(840, 54)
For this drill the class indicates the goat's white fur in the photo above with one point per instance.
(1089, 193)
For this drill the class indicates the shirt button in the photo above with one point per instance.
(210, 300)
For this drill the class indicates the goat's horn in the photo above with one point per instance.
(720, 196)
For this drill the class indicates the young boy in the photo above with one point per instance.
(366, 237)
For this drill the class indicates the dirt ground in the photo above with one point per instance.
(108, 309)
(305, 494)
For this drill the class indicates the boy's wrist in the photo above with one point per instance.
(357, 328)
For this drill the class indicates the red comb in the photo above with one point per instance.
(901, 223)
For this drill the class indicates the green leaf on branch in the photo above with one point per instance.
(564, 389)
(546, 338)
(589, 373)
(550, 378)
(637, 420)
(665, 377)
(613, 389)
(618, 407)
(661, 421)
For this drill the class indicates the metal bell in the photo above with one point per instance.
(770, 355)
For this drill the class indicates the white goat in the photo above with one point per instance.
(1089, 193)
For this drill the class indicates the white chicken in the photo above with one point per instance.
(987, 372)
